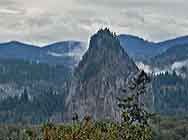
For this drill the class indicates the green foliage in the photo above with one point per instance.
(169, 128)
(135, 117)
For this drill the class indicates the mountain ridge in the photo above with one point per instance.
(140, 49)
(47, 54)
(69, 53)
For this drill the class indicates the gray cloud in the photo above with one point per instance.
(44, 21)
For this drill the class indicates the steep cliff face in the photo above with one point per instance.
(99, 78)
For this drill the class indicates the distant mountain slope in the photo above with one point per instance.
(67, 53)
(173, 42)
(141, 49)
(137, 47)
(18, 50)
(171, 56)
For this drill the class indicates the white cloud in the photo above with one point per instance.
(44, 21)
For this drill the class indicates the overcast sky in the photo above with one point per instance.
(47, 21)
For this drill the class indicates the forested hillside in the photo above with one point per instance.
(170, 94)
(18, 75)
